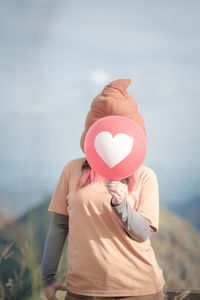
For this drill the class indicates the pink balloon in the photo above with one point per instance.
(115, 147)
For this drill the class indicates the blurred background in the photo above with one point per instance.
(55, 57)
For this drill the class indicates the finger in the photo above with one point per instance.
(113, 191)
(116, 196)
(120, 186)
(114, 183)
(111, 181)
(119, 192)
(117, 186)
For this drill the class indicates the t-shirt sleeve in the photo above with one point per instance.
(148, 206)
(58, 203)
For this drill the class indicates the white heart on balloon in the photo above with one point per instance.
(113, 149)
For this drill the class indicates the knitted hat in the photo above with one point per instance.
(113, 100)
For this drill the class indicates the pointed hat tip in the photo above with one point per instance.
(121, 83)
(125, 81)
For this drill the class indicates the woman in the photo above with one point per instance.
(108, 223)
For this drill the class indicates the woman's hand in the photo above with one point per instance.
(50, 291)
(118, 191)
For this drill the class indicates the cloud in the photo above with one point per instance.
(99, 77)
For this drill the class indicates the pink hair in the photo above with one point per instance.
(90, 176)
(87, 176)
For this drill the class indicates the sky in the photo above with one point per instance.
(56, 56)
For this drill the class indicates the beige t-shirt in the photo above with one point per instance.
(102, 259)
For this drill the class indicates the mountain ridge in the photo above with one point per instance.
(176, 247)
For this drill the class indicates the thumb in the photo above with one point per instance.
(61, 287)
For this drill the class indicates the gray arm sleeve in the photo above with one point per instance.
(135, 225)
(57, 233)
